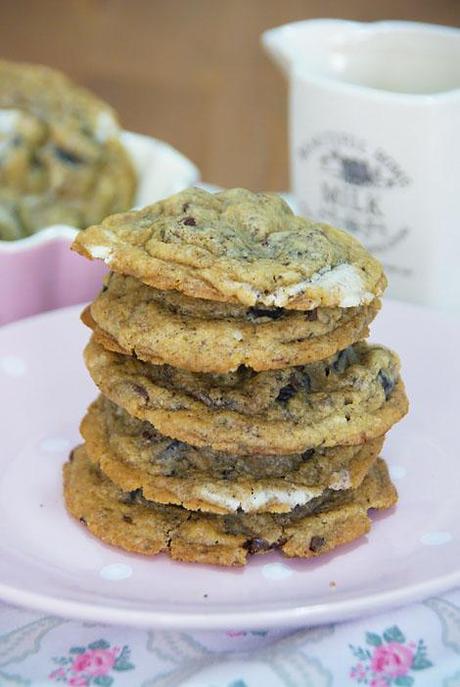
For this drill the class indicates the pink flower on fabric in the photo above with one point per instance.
(378, 682)
(78, 681)
(94, 662)
(393, 660)
(389, 659)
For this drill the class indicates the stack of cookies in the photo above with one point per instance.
(241, 409)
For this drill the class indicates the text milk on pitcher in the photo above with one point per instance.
(374, 124)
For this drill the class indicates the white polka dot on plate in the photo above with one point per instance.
(276, 571)
(116, 571)
(55, 444)
(436, 538)
(13, 366)
(397, 471)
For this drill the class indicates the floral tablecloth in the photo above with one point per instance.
(417, 646)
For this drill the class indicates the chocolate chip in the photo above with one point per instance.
(130, 497)
(172, 450)
(83, 522)
(35, 161)
(67, 157)
(244, 372)
(300, 379)
(286, 393)
(306, 455)
(185, 207)
(140, 390)
(344, 359)
(149, 434)
(256, 545)
(271, 313)
(214, 400)
(312, 315)
(387, 382)
(316, 543)
(190, 221)
(340, 363)
(127, 518)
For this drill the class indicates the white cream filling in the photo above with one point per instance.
(100, 252)
(9, 120)
(344, 282)
(106, 127)
(258, 498)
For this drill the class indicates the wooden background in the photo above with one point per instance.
(189, 71)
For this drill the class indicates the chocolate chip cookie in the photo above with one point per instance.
(354, 396)
(237, 247)
(136, 456)
(61, 159)
(129, 521)
(208, 336)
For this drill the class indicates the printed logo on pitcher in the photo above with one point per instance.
(355, 184)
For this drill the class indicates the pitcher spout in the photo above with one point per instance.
(275, 44)
(305, 43)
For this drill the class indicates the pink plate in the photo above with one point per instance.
(50, 562)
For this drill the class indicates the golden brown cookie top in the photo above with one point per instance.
(236, 246)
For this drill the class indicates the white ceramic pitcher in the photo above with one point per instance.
(374, 124)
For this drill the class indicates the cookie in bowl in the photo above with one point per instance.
(61, 157)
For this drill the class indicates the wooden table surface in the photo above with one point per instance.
(191, 72)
